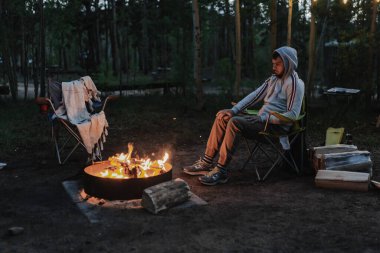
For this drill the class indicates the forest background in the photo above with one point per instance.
(227, 43)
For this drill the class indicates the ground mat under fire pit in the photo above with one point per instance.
(95, 209)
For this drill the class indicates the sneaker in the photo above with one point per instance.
(200, 167)
(214, 177)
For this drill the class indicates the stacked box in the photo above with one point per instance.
(316, 153)
(356, 161)
(341, 158)
(357, 181)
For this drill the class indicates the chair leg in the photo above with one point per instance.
(72, 151)
(295, 167)
(281, 153)
(60, 147)
(271, 168)
(57, 151)
(251, 152)
(281, 156)
(302, 150)
(292, 163)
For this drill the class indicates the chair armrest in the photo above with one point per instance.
(109, 98)
(282, 118)
(112, 97)
(42, 101)
(252, 112)
(248, 111)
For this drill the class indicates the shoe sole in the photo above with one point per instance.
(196, 173)
(215, 183)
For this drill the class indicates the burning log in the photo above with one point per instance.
(130, 149)
(125, 166)
(164, 195)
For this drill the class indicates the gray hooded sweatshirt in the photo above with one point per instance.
(283, 95)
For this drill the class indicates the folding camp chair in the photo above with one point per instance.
(285, 154)
(69, 140)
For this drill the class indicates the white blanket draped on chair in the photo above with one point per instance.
(92, 127)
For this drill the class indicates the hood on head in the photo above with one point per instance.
(289, 57)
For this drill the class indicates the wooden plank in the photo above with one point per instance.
(342, 176)
(346, 180)
(341, 185)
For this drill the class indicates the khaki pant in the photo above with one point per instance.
(225, 135)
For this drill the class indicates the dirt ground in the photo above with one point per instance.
(286, 213)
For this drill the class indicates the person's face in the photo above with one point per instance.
(278, 67)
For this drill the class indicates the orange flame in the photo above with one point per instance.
(125, 166)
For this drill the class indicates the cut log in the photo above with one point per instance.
(357, 181)
(165, 195)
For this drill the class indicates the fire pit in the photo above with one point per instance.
(123, 177)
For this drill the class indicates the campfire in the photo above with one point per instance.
(124, 176)
(125, 166)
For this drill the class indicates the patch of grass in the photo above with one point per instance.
(171, 120)
(22, 127)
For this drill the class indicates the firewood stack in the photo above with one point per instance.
(341, 166)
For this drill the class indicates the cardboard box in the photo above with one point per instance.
(316, 153)
(346, 180)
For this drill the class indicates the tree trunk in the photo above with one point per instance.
(226, 32)
(64, 62)
(238, 51)
(310, 73)
(106, 32)
(197, 55)
(24, 59)
(115, 50)
(145, 40)
(9, 64)
(6, 51)
(372, 49)
(320, 48)
(98, 50)
(35, 70)
(273, 24)
(290, 14)
(91, 35)
(42, 49)
(249, 61)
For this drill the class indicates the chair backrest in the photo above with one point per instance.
(300, 122)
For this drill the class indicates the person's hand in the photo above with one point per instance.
(225, 114)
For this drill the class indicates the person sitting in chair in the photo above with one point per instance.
(282, 92)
